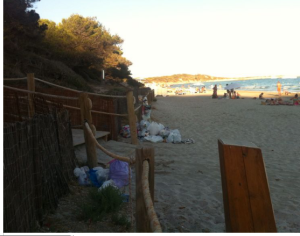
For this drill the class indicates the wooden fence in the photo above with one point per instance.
(20, 104)
(146, 218)
(39, 160)
(108, 111)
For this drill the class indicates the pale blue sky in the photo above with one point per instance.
(215, 37)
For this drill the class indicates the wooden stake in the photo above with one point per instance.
(86, 116)
(142, 220)
(30, 87)
(132, 117)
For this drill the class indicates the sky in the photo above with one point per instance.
(228, 38)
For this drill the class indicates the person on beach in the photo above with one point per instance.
(215, 89)
(228, 91)
(261, 96)
(295, 99)
(279, 88)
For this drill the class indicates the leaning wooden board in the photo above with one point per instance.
(246, 195)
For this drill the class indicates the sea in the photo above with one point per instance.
(289, 84)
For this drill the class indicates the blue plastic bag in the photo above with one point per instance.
(93, 178)
(118, 172)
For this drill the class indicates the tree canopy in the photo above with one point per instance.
(80, 43)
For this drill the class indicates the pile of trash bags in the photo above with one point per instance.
(148, 130)
(155, 132)
(117, 175)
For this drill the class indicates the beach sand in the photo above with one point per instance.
(188, 192)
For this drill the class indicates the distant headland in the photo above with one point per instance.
(188, 78)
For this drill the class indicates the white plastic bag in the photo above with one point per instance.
(154, 128)
(145, 101)
(102, 174)
(81, 175)
(83, 179)
(106, 184)
(144, 124)
(154, 139)
(77, 171)
(164, 132)
(174, 136)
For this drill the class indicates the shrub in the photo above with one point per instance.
(99, 204)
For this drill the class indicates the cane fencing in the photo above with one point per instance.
(38, 161)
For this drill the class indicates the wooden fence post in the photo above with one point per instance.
(246, 196)
(85, 108)
(30, 87)
(142, 219)
(131, 117)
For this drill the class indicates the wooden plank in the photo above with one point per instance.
(260, 199)
(78, 136)
(246, 197)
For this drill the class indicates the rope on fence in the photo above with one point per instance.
(98, 112)
(77, 91)
(14, 79)
(154, 223)
(41, 94)
(138, 107)
(121, 158)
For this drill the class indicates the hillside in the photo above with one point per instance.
(185, 78)
(74, 53)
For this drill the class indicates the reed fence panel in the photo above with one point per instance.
(38, 162)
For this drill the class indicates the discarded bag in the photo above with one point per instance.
(154, 139)
(118, 172)
(154, 128)
(106, 184)
(81, 176)
(101, 174)
(93, 178)
(174, 136)
(125, 131)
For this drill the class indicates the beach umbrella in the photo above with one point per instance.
(232, 86)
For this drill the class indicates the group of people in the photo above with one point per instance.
(230, 93)
(295, 99)
(201, 90)
(279, 101)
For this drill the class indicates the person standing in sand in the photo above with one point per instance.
(279, 88)
(215, 89)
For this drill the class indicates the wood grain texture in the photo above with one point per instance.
(246, 197)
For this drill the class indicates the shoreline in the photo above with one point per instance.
(243, 94)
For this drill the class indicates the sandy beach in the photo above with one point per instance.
(188, 192)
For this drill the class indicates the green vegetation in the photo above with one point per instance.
(100, 205)
(121, 220)
(71, 53)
